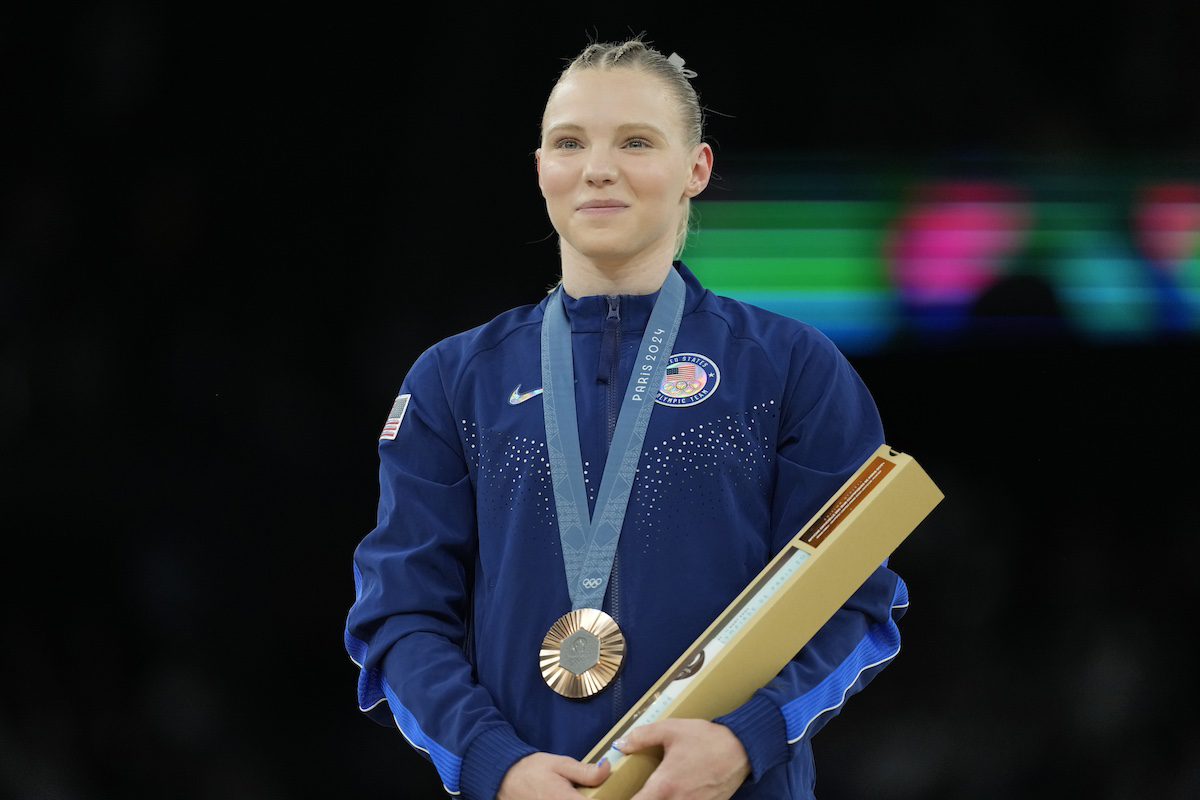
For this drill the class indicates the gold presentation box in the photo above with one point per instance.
(772, 619)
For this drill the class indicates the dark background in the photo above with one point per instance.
(227, 234)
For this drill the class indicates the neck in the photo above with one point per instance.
(584, 276)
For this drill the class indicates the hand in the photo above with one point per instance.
(702, 760)
(544, 776)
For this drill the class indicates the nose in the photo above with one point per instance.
(600, 168)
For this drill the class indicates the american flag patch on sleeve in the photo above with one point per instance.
(395, 417)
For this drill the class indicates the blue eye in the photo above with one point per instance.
(644, 144)
(561, 144)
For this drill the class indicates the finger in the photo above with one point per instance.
(642, 737)
(654, 788)
(581, 773)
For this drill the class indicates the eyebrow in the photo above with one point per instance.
(626, 126)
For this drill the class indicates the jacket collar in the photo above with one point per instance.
(587, 314)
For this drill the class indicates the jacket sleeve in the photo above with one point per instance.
(829, 427)
(407, 629)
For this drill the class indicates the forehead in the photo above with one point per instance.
(597, 98)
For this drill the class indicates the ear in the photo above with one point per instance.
(537, 161)
(702, 165)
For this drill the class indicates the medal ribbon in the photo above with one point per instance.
(590, 545)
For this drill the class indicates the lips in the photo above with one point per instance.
(602, 204)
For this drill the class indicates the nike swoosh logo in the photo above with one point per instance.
(516, 398)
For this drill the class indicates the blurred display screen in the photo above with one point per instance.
(877, 257)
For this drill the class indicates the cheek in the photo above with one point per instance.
(555, 178)
(655, 180)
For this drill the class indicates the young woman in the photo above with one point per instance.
(572, 492)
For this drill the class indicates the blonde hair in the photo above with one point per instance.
(635, 54)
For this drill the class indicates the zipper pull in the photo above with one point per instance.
(614, 307)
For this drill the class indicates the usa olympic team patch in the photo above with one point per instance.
(691, 378)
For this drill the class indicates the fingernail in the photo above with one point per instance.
(602, 762)
(620, 744)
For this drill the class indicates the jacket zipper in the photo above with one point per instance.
(613, 326)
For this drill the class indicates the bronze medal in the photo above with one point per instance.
(582, 653)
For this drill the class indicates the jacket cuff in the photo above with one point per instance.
(760, 727)
(488, 759)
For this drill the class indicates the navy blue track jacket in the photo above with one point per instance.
(463, 574)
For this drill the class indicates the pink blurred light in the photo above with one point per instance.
(955, 240)
(1167, 223)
